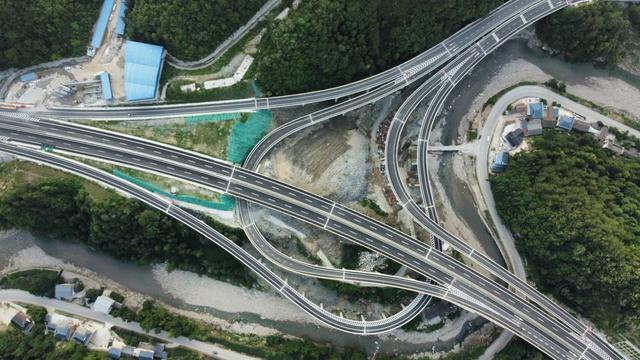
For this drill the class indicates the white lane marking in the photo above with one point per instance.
(233, 169)
(247, 226)
(449, 288)
(496, 36)
(428, 252)
(481, 48)
(446, 48)
(333, 206)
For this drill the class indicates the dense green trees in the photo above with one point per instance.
(575, 212)
(122, 227)
(189, 29)
(598, 32)
(37, 282)
(38, 31)
(633, 12)
(330, 42)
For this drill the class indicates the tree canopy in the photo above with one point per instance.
(326, 43)
(189, 29)
(574, 209)
(37, 31)
(124, 228)
(597, 32)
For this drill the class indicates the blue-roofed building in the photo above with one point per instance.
(566, 122)
(63, 331)
(64, 292)
(30, 76)
(105, 82)
(536, 110)
(142, 67)
(120, 21)
(501, 162)
(145, 355)
(82, 335)
(115, 352)
(101, 27)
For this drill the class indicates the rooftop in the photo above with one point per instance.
(28, 76)
(120, 22)
(64, 292)
(566, 122)
(107, 95)
(536, 110)
(101, 25)
(142, 64)
(103, 304)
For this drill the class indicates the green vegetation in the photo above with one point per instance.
(124, 228)
(326, 43)
(133, 338)
(627, 140)
(633, 13)
(557, 86)
(368, 203)
(15, 345)
(598, 32)
(575, 211)
(92, 294)
(190, 29)
(472, 134)
(184, 354)
(37, 282)
(241, 90)
(209, 138)
(38, 31)
(153, 317)
(518, 349)
(116, 297)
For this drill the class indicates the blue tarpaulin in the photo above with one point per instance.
(120, 22)
(535, 110)
(106, 86)
(566, 122)
(142, 64)
(502, 160)
(101, 25)
(28, 76)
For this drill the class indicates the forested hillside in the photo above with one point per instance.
(597, 32)
(331, 42)
(188, 29)
(37, 31)
(125, 228)
(574, 209)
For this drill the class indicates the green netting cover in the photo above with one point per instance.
(212, 117)
(245, 135)
(256, 90)
(226, 203)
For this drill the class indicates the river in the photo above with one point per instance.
(459, 103)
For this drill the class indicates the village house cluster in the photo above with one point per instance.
(533, 115)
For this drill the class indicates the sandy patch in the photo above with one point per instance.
(609, 92)
(204, 291)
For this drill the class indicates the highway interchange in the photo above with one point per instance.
(541, 322)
